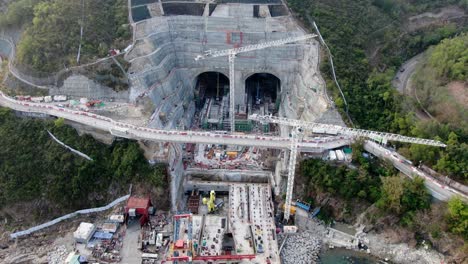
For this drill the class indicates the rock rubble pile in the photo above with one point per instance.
(58, 255)
(300, 248)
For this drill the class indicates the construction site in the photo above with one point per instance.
(227, 94)
(233, 224)
(178, 63)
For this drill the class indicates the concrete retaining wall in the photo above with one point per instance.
(164, 53)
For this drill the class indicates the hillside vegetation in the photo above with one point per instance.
(34, 167)
(440, 85)
(52, 33)
(369, 40)
(449, 59)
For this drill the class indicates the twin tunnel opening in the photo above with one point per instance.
(259, 87)
(261, 96)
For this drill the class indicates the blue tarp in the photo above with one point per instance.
(102, 235)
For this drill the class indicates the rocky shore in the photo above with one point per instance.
(304, 246)
(401, 253)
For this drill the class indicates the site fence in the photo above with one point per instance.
(68, 216)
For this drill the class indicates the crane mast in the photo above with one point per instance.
(296, 133)
(231, 53)
(232, 77)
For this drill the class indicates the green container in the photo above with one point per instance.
(244, 125)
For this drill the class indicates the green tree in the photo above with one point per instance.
(59, 122)
(401, 195)
(392, 191)
(454, 160)
(457, 217)
(415, 195)
(19, 12)
(450, 58)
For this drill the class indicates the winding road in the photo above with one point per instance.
(437, 189)
(402, 82)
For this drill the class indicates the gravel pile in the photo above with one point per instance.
(300, 248)
(58, 255)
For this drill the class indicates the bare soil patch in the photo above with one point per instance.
(443, 15)
(459, 91)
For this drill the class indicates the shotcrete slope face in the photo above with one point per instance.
(163, 66)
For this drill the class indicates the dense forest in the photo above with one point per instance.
(52, 30)
(33, 166)
(369, 40)
(450, 58)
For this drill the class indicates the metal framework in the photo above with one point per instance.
(231, 53)
(352, 132)
(296, 135)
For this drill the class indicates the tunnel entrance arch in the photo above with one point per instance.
(211, 84)
(263, 93)
(212, 100)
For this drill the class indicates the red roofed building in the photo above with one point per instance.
(138, 207)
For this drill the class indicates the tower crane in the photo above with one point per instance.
(231, 53)
(297, 134)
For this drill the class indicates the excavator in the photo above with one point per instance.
(210, 203)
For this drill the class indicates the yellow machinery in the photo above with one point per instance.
(292, 209)
(210, 202)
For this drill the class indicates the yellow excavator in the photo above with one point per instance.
(210, 203)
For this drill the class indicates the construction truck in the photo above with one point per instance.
(210, 202)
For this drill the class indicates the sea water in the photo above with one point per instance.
(345, 256)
